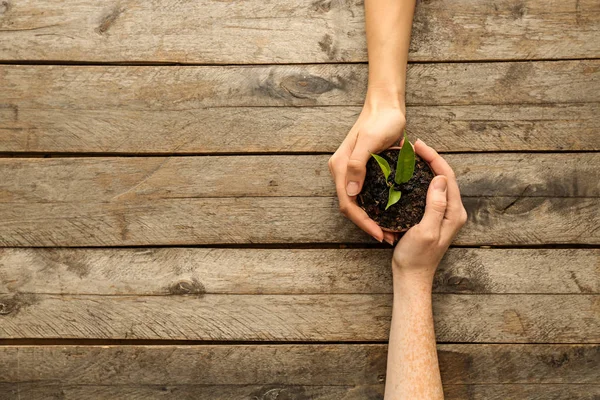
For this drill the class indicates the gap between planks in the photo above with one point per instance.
(254, 154)
(83, 63)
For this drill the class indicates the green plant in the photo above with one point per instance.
(404, 170)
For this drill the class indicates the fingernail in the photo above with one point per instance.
(379, 240)
(390, 242)
(439, 183)
(352, 188)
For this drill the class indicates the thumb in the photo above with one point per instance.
(357, 167)
(435, 207)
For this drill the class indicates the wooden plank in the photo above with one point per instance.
(162, 271)
(292, 129)
(518, 220)
(191, 221)
(279, 31)
(347, 317)
(101, 179)
(44, 391)
(178, 88)
(99, 109)
(531, 392)
(290, 365)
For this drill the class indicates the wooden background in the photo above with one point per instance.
(169, 229)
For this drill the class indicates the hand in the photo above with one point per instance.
(420, 250)
(378, 127)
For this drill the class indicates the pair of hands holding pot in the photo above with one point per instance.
(378, 128)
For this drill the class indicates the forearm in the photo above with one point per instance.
(412, 368)
(388, 27)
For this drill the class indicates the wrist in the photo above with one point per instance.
(385, 96)
(414, 280)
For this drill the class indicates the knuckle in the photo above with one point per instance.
(344, 209)
(463, 217)
(439, 204)
(402, 120)
(333, 163)
(430, 237)
(356, 165)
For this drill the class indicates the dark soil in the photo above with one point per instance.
(374, 195)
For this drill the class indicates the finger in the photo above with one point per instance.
(389, 237)
(441, 167)
(357, 166)
(352, 211)
(357, 215)
(435, 206)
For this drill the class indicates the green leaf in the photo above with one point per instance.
(393, 197)
(385, 167)
(406, 162)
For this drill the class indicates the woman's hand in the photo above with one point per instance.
(420, 250)
(379, 126)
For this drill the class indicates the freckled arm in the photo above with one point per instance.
(412, 370)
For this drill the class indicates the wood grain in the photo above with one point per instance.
(162, 271)
(485, 106)
(303, 318)
(103, 179)
(530, 392)
(187, 88)
(279, 31)
(492, 221)
(44, 391)
(272, 365)
(525, 127)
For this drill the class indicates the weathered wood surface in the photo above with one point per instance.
(489, 106)
(110, 179)
(283, 31)
(529, 392)
(292, 129)
(46, 391)
(113, 109)
(345, 364)
(178, 88)
(342, 317)
(162, 271)
(324, 372)
(191, 221)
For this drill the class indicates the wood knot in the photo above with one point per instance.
(108, 20)
(306, 86)
(187, 287)
(4, 7)
(12, 305)
(8, 307)
(556, 361)
(280, 393)
(322, 6)
(460, 283)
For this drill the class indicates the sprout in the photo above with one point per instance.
(405, 169)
